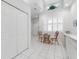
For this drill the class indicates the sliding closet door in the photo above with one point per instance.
(15, 31)
(9, 37)
(22, 27)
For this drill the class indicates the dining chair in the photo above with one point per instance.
(46, 38)
(54, 37)
(41, 36)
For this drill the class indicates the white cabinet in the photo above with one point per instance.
(71, 46)
(15, 31)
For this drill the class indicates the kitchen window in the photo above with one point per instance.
(55, 24)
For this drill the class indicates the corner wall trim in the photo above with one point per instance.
(15, 7)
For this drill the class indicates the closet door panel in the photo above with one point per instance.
(22, 31)
(8, 31)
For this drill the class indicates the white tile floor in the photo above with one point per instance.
(39, 50)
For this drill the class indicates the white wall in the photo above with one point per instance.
(35, 27)
(69, 18)
(15, 31)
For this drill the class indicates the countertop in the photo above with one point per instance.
(73, 36)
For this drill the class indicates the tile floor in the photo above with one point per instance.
(39, 50)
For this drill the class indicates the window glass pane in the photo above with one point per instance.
(49, 21)
(54, 27)
(44, 22)
(60, 20)
(60, 27)
(45, 28)
(54, 20)
(49, 27)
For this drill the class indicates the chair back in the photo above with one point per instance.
(46, 36)
(56, 33)
(39, 33)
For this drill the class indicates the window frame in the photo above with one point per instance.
(57, 24)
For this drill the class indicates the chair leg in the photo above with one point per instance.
(57, 41)
(42, 39)
(51, 41)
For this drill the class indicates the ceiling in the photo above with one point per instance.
(42, 3)
(38, 6)
(47, 2)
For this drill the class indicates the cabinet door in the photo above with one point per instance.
(71, 48)
(73, 53)
(68, 47)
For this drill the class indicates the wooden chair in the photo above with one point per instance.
(54, 37)
(41, 36)
(51, 38)
(46, 38)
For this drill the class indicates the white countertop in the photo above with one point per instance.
(71, 36)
